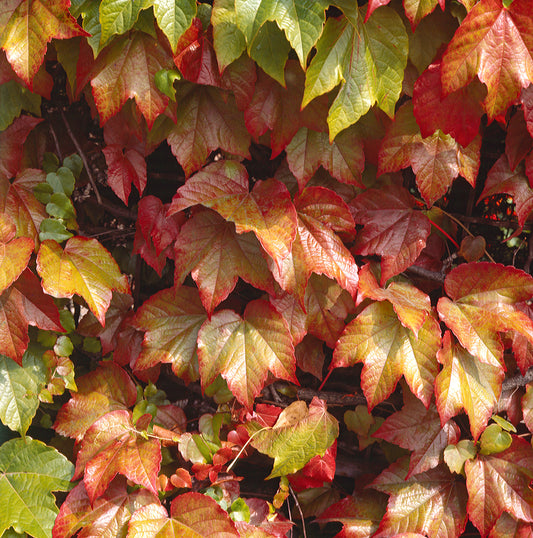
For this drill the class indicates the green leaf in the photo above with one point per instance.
(118, 16)
(62, 181)
(13, 99)
(53, 229)
(29, 472)
(174, 17)
(19, 390)
(298, 435)
(368, 60)
(455, 456)
(494, 440)
(60, 207)
(301, 21)
(228, 41)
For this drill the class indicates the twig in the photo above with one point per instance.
(56, 141)
(83, 157)
(426, 273)
(296, 502)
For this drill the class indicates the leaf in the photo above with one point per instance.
(508, 526)
(155, 232)
(243, 350)
(518, 142)
(108, 388)
(411, 305)
(228, 41)
(466, 383)
(499, 482)
(302, 23)
(483, 297)
(317, 248)
(527, 406)
(23, 304)
(19, 390)
(436, 160)
(171, 320)
(501, 179)
(419, 430)
(458, 113)
(110, 446)
(14, 252)
(526, 98)
(209, 247)
(393, 228)
(359, 514)
(126, 70)
(278, 109)
(174, 17)
(14, 98)
(192, 515)
(416, 10)
(109, 515)
(293, 441)
(267, 210)
(343, 159)
(207, 119)
(432, 503)
(327, 306)
(368, 59)
(29, 472)
(389, 350)
(28, 26)
(117, 17)
(495, 43)
(456, 455)
(11, 146)
(84, 267)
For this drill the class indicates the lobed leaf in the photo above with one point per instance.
(84, 267)
(243, 350)
(389, 350)
(299, 434)
(29, 472)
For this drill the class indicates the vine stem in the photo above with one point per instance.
(458, 222)
(83, 158)
(236, 458)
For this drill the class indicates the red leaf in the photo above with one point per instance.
(483, 298)
(111, 446)
(155, 232)
(171, 320)
(436, 160)
(359, 514)
(243, 350)
(431, 503)
(501, 179)
(14, 252)
(85, 267)
(217, 256)
(457, 114)
(499, 482)
(19, 202)
(317, 470)
(466, 383)
(518, 142)
(527, 104)
(267, 210)
(191, 514)
(411, 305)
(511, 528)
(495, 43)
(343, 158)
(109, 515)
(278, 109)
(195, 57)
(389, 350)
(317, 248)
(11, 146)
(107, 388)
(23, 304)
(126, 69)
(419, 430)
(394, 229)
(207, 119)
(28, 26)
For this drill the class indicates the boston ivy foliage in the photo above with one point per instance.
(264, 268)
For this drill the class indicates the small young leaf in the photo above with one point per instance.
(494, 440)
(456, 455)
